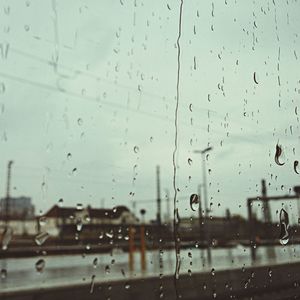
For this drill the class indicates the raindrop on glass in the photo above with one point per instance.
(194, 202)
(278, 153)
(107, 269)
(79, 224)
(79, 206)
(136, 149)
(40, 265)
(41, 238)
(95, 262)
(284, 227)
(42, 221)
(2, 88)
(7, 236)
(296, 163)
(127, 286)
(255, 77)
(92, 284)
(3, 273)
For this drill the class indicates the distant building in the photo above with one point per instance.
(18, 208)
(58, 217)
(219, 228)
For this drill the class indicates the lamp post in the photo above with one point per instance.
(203, 152)
(142, 241)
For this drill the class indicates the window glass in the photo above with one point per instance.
(149, 149)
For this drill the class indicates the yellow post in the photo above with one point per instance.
(131, 249)
(143, 248)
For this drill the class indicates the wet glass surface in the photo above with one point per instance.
(149, 140)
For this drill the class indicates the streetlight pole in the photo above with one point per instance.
(203, 152)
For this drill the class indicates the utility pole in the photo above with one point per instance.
(266, 205)
(168, 217)
(7, 204)
(7, 234)
(158, 216)
(267, 217)
(207, 233)
(200, 214)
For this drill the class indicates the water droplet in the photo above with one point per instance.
(60, 202)
(79, 224)
(74, 171)
(270, 272)
(109, 234)
(40, 265)
(213, 273)
(296, 163)
(3, 273)
(92, 284)
(79, 121)
(278, 154)
(2, 88)
(95, 262)
(178, 265)
(41, 238)
(284, 227)
(255, 78)
(69, 155)
(190, 161)
(42, 221)
(191, 107)
(136, 149)
(107, 269)
(26, 27)
(79, 206)
(194, 202)
(127, 286)
(7, 236)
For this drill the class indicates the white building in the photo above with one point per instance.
(57, 216)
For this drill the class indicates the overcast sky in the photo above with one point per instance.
(88, 95)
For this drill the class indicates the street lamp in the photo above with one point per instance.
(203, 152)
(142, 241)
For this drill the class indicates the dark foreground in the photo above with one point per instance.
(266, 282)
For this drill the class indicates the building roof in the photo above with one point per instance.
(93, 213)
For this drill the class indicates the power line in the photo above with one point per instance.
(89, 98)
(92, 75)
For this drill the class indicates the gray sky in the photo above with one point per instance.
(97, 78)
